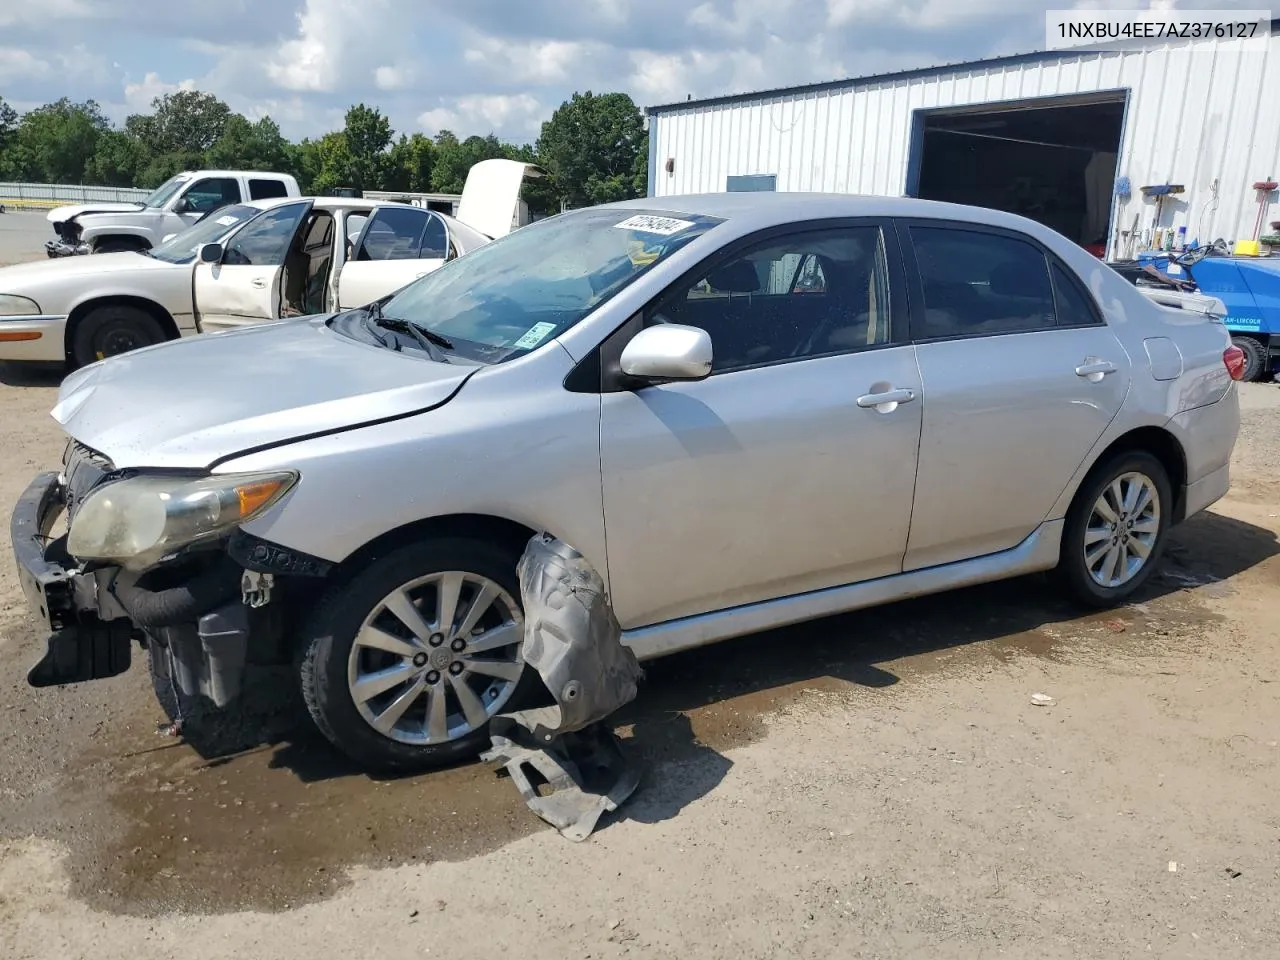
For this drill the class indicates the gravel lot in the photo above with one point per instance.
(875, 785)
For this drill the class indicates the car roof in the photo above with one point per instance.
(323, 203)
(764, 209)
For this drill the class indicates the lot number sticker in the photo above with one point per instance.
(535, 335)
(662, 226)
(227, 221)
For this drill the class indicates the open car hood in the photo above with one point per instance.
(188, 403)
(491, 195)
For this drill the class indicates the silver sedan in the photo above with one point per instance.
(745, 410)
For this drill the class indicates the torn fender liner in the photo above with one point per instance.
(574, 641)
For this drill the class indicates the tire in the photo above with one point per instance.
(331, 660)
(1255, 358)
(110, 331)
(1074, 572)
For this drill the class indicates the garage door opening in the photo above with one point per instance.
(1055, 163)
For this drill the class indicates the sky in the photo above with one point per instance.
(483, 66)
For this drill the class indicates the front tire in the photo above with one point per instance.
(403, 666)
(113, 330)
(1116, 530)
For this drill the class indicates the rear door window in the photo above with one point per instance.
(403, 233)
(266, 189)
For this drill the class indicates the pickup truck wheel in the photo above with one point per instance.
(1254, 357)
(1116, 530)
(403, 667)
(115, 245)
(109, 331)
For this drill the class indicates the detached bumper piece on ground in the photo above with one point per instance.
(574, 642)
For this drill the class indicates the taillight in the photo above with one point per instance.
(1233, 357)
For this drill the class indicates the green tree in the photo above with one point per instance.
(187, 121)
(454, 158)
(8, 123)
(367, 135)
(117, 160)
(591, 147)
(410, 162)
(250, 146)
(56, 141)
(335, 165)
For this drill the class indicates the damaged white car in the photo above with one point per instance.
(740, 410)
(246, 263)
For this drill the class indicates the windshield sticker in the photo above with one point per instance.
(227, 221)
(662, 226)
(535, 335)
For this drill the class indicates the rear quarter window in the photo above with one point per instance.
(266, 189)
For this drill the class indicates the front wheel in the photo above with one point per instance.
(113, 330)
(1116, 529)
(403, 667)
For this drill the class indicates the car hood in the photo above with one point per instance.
(189, 403)
(20, 276)
(62, 214)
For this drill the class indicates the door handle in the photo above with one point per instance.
(259, 282)
(888, 401)
(1094, 370)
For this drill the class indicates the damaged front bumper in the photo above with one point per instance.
(203, 617)
(64, 248)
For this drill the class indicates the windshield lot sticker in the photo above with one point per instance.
(535, 335)
(227, 221)
(662, 226)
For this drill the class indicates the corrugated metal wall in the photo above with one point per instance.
(1194, 117)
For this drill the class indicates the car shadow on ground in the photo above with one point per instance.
(694, 705)
(31, 374)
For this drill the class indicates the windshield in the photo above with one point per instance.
(182, 247)
(507, 297)
(160, 196)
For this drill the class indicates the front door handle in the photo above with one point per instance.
(259, 282)
(887, 401)
(1094, 370)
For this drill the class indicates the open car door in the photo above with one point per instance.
(244, 287)
(397, 245)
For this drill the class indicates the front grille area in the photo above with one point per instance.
(83, 469)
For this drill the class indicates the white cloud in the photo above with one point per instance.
(482, 114)
(538, 62)
(138, 96)
(393, 78)
(20, 64)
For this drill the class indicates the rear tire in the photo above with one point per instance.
(1255, 358)
(1116, 530)
(113, 330)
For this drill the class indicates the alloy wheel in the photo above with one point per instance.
(1122, 530)
(437, 658)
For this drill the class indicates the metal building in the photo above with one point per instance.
(1065, 137)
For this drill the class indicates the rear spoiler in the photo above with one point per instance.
(1181, 300)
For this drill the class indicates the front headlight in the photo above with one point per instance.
(12, 305)
(137, 521)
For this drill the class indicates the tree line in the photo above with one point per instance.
(594, 149)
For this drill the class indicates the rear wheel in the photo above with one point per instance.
(1116, 530)
(113, 330)
(1255, 357)
(403, 667)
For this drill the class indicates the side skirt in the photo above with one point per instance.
(1036, 553)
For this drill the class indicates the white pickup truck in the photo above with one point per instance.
(173, 207)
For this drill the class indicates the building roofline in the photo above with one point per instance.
(867, 80)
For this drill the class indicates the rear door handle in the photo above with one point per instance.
(1095, 370)
(888, 401)
(259, 282)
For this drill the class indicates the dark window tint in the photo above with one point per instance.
(212, 193)
(1075, 308)
(794, 297)
(263, 242)
(395, 233)
(265, 189)
(978, 283)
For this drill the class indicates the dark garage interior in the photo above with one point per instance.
(1055, 164)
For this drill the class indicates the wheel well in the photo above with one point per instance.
(473, 526)
(123, 239)
(82, 310)
(1162, 445)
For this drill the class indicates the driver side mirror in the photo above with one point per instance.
(182, 205)
(668, 351)
(210, 253)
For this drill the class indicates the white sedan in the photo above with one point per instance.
(244, 264)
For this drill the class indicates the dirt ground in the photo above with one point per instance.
(874, 785)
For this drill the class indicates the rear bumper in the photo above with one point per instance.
(1208, 436)
(1207, 491)
(33, 338)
